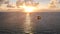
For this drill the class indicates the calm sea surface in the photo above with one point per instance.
(24, 23)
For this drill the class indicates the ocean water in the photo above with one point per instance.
(21, 23)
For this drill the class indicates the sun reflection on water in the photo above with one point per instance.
(27, 24)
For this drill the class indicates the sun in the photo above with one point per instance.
(28, 9)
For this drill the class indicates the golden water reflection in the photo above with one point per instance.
(27, 24)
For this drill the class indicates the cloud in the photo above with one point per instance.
(1, 0)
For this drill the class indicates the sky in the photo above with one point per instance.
(42, 2)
